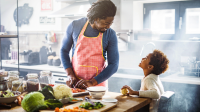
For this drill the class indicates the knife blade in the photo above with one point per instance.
(88, 100)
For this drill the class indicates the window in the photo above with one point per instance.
(193, 21)
(163, 21)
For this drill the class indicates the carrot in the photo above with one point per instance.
(56, 109)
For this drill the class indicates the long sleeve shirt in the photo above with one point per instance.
(110, 47)
(152, 87)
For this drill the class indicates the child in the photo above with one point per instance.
(153, 65)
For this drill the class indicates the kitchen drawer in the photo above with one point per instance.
(59, 78)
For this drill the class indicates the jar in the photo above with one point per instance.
(12, 77)
(18, 84)
(32, 82)
(45, 78)
(3, 85)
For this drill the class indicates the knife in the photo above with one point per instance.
(88, 100)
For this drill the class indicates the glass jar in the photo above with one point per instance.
(18, 84)
(32, 82)
(45, 78)
(11, 77)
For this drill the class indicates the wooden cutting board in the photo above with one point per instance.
(103, 109)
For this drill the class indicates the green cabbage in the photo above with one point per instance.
(33, 101)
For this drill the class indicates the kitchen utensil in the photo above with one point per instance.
(88, 100)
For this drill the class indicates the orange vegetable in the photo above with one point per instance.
(74, 109)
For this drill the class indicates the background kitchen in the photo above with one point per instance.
(172, 26)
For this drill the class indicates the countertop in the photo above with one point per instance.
(124, 104)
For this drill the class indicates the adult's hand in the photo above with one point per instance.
(71, 82)
(83, 84)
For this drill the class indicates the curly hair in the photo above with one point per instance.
(101, 9)
(159, 61)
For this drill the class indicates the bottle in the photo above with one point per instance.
(45, 78)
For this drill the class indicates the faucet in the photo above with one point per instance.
(151, 43)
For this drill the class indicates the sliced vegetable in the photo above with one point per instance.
(74, 109)
(87, 105)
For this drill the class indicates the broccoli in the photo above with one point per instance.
(47, 91)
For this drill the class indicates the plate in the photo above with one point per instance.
(110, 100)
(78, 100)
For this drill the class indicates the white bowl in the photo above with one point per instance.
(97, 91)
(9, 99)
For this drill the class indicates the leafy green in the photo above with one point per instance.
(52, 104)
(87, 105)
(47, 91)
(33, 102)
(8, 94)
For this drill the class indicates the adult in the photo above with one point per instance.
(92, 42)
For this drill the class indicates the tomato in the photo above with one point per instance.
(51, 85)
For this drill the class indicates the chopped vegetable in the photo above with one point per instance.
(74, 109)
(52, 85)
(52, 104)
(87, 105)
(33, 101)
(6, 93)
(47, 91)
(77, 90)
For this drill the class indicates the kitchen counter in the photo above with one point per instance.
(36, 67)
(125, 103)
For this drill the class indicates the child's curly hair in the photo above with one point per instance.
(159, 61)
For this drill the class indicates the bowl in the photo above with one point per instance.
(97, 92)
(10, 99)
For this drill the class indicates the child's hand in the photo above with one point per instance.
(130, 90)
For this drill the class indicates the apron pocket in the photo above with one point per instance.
(86, 72)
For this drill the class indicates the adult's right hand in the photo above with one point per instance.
(71, 82)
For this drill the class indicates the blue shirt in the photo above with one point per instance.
(110, 47)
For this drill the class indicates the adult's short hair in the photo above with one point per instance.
(101, 9)
(160, 62)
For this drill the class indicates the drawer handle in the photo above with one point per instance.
(60, 79)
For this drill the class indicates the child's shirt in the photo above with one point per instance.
(152, 87)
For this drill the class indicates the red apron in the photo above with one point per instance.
(88, 60)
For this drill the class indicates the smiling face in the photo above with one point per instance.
(103, 24)
(145, 62)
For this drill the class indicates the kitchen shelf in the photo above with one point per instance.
(8, 36)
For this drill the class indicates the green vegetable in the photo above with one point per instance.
(52, 104)
(9, 94)
(33, 101)
(47, 91)
(87, 105)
